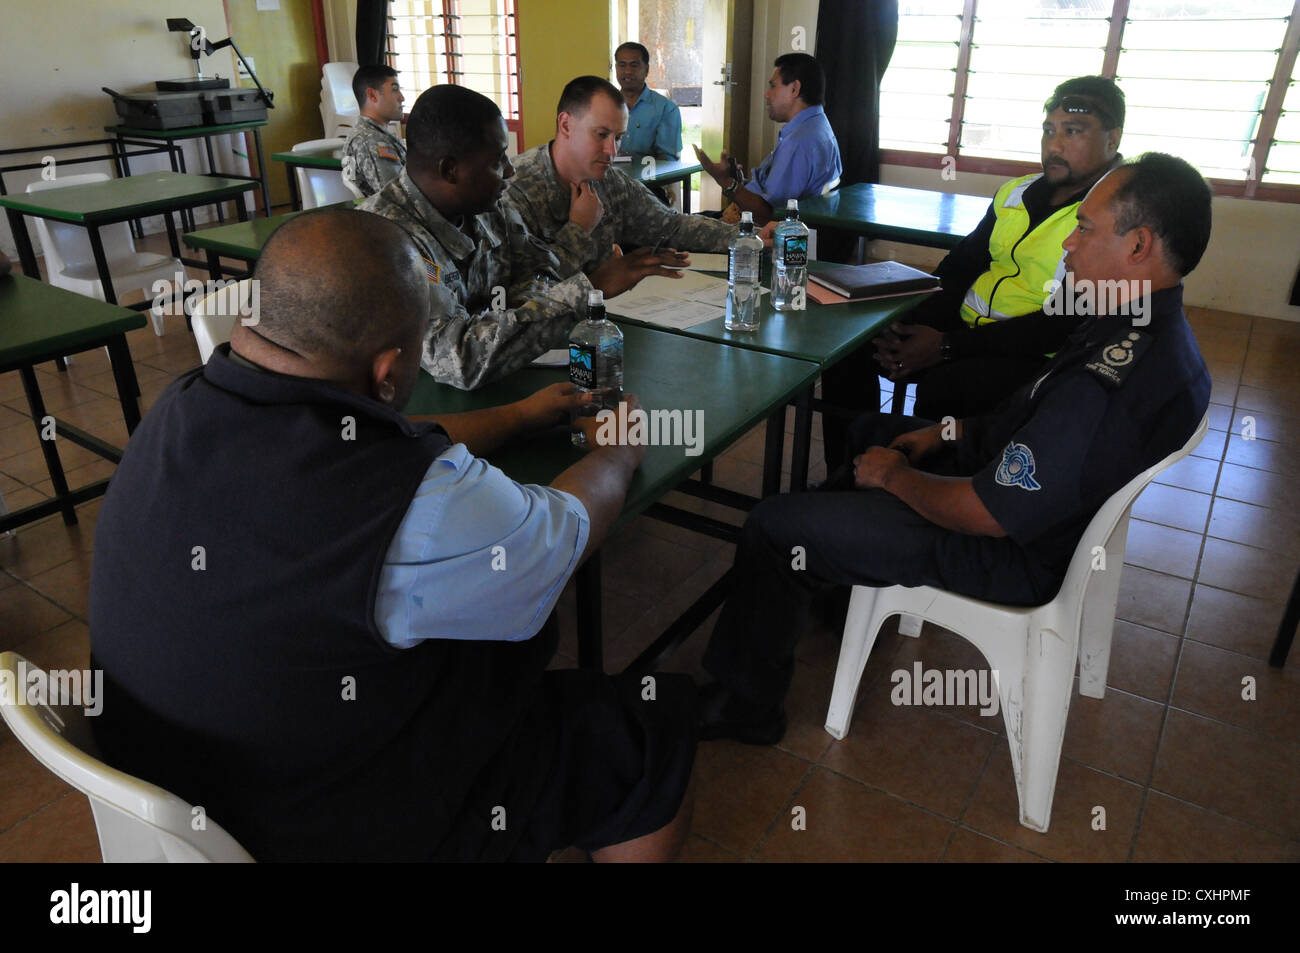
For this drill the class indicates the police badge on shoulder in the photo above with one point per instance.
(1115, 360)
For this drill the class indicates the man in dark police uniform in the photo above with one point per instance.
(991, 507)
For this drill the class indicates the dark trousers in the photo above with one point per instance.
(845, 538)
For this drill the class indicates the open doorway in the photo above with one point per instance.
(693, 47)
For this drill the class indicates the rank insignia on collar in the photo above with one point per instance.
(1017, 467)
(1115, 360)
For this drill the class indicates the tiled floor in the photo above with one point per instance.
(1185, 768)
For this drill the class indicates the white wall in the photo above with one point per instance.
(56, 54)
(1249, 267)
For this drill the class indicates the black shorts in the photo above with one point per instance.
(595, 763)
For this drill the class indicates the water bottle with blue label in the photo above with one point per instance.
(742, 277)
(790, 261)
(596, 361)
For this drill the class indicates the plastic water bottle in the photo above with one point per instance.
(596, 361)
(742, 277)
(790, 261)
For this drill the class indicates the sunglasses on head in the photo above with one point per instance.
(1082, 105)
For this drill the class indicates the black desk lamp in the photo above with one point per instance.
(182, 25)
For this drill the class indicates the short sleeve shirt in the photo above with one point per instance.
(805, 159)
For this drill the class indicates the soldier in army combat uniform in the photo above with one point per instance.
(372, 156)
(570, 196)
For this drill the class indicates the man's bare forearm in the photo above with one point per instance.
(748, 201)
(600, 480)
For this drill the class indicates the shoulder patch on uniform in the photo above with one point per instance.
(1115, 359)
(386, 153)
(1017, 467)
(434, 271)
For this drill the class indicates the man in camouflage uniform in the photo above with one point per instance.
(474, 245)
(570, 196)
(372, 156)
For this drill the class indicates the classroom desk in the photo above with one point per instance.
(823, 334)
(39, 322)
(241, 240)
(665, 171)
(172, 136)
(911, 216)
(103, 203)
(736, 388)
(315, 159)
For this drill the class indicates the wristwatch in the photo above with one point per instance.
(730, 189)
(945, 349)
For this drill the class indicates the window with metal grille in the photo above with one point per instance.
(471, 43)
(1210, 80)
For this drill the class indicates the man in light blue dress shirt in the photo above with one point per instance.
(654, 123)
(806, 158)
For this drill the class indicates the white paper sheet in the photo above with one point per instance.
(556, 358)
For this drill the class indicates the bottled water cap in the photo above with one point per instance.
(792, 204)
(595, 297)
(746, 217)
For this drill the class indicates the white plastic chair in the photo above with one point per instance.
(1031, 650)
(71, 265)
(338, 105)
(137, 822)
(215, 315)
(321, 187)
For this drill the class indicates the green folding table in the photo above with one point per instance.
(911, 216)
(39, 322)
(736, 388)
(241, 240)
(823, 334)
(97, 204)
(177, 155)
(654, 170)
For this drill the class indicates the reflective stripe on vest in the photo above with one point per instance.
(1024, 262)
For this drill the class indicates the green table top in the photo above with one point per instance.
(914, 216)
(38, 321)
(243, 240)
(665, 170)
(132, 197)
(735, 388)
(188, 132)
(822, 333)
(316, 159)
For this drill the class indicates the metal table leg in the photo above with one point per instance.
(48, 450)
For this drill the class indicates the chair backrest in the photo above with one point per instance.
(338, 105)
(1114, 512)
(68, 246)
(215, 314)
(321, 187)
(319, 145)
(137, 822)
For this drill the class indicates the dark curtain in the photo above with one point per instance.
(1295, 291)
(855, 39)
(371, 22)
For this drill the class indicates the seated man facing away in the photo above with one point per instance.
(991, 507)
(372, 155)
(326, 623)
(448, 198)
(571, 197)
(806, 158)
(973, 344)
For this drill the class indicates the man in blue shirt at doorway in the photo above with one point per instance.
(806, 158)
(654, 123)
